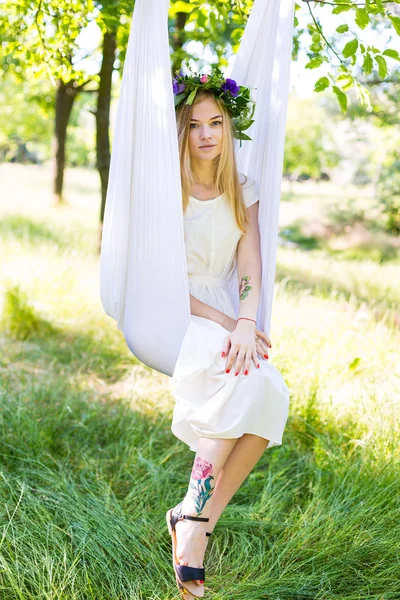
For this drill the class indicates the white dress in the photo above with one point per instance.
(208, 401)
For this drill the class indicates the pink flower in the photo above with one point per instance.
(201, 469)
(204, 78)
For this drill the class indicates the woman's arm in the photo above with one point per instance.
(240, 346)
(249, 273)
(201, 309)
(249, 267)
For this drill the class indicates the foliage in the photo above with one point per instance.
(25, 117)
(350, 61)
(309, 146)
(19, 317)
(42, 37)
(389, 192)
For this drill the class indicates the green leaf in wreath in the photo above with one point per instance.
(192, 96)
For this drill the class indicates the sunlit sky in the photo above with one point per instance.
(302, 80)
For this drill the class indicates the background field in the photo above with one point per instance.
(89, 465)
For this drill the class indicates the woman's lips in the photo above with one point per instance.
(209, 146)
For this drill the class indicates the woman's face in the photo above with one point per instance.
(206, 130)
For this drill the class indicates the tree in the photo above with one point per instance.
(40, 37)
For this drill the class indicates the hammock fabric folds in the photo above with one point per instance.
(143, 274)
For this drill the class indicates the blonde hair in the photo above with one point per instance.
(226, 174)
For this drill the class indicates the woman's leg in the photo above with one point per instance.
(240, 462)
(210, 458)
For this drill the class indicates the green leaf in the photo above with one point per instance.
(213, 21)
(202, 19)
(362, 18)
(339, 9)
(354, 363)
(341, 96)
(315, 36)
(316, 48)
(396, 23)
(321, 84)
(180, 6)
(296, 22)
(382, 66)
(350, 48)
(392, 53)
(342, 28)
(362, 48)
(192, 96)
(368, 63)
(178, 98)
(316, 62)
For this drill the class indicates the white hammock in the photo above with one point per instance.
(143, 274)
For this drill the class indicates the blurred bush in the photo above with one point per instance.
(20, 319)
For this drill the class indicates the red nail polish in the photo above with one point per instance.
(201, 580)
(237, 373)
(258, 366)
(223, 354)
(246, 371)
(227, 370)
(265, 355)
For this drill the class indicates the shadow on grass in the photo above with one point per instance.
(81, 352)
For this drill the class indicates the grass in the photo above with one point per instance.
(89, 465)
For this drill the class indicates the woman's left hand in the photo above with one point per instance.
(263, 341)
(240, 345)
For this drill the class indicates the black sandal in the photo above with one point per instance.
(184, 573)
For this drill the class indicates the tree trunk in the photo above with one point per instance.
(65, 96)
(103, 117)
(178, 40)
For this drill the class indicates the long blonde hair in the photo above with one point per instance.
(226, 174)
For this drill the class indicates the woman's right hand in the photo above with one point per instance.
(263, 342)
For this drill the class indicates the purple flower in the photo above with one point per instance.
(177, 87)
(230, 86)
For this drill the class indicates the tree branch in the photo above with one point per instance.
(322, 33)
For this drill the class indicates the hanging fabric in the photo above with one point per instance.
(143, 274)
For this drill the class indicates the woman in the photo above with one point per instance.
(230, 406)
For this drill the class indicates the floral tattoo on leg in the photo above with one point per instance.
(244, 287)
(202, 490)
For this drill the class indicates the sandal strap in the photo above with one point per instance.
(177, 515)
(208, 533)
(203, 519)
(190, 573)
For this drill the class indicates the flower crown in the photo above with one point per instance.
(236, 98)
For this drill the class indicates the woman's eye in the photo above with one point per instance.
(213, 123)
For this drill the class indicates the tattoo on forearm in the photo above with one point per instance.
(244, 287)
(202, 490)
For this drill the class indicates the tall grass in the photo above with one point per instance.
(89, 465)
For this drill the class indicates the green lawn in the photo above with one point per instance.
(89, 465)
